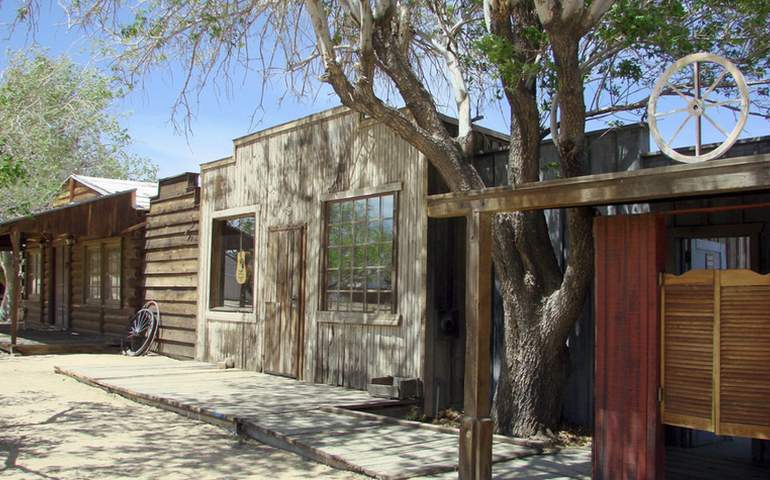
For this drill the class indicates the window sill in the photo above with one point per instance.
(240, 316)
(359, 318)
(231, 310)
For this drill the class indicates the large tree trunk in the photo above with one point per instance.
(541, 300)
(534, 372)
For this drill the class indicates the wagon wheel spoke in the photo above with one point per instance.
(678, 130)
(715, 84)
(712, 103)
(679, 92)
(712, 122)
(671, 112)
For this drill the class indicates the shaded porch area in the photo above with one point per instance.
(41, 341)
(725, 458)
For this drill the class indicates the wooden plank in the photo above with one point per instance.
(172, 254)
(172, 267)
(15, 271)
(171, 281)
(171, 295)
(732, 175)
(176, 203)
(182, 229)
(476, 430)
(170, 242)
(180, 335)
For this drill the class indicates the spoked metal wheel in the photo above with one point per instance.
(142, 329)
(700, 91)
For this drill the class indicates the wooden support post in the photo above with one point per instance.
(16, 299)
(476, 429)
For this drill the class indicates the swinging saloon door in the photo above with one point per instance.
(284, 308)
(715, 365)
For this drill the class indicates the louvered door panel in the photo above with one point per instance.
(744, 360)
(688, 350)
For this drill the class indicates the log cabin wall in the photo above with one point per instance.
(171, 262)
(101, 316)
(111, 221)
(282, 176)
(35, 306)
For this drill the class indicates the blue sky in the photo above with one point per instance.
(220, 116)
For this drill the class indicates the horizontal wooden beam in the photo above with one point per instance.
(732, 175)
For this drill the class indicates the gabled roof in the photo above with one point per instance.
(108, 186)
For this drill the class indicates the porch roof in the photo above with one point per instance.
(104, 216)
(731, 175)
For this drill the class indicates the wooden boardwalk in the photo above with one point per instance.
(312, 420)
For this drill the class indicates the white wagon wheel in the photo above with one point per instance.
(695, 102)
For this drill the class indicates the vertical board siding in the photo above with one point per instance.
(283, 178)
(627, 431)
(171, 263)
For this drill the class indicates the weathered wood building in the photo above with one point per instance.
(314, 240)
(170, 270)
(82, 259)
(103, 248)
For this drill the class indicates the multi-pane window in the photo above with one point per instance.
(112, 273)
(93, 264)
(232, 264)
(103, 269)
(34, 270)
(359, 256)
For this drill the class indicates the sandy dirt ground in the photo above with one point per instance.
(53, 427)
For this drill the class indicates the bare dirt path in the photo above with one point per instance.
(52, 427)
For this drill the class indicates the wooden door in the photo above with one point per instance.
(687, 353)
(284, 308)
(61, 287)
(716, 355)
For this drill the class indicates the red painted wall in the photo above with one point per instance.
(628, 436)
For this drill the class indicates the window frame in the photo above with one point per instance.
(226, 313)
(29, 278)
(102, 245)
(107, 245)
(384, 317)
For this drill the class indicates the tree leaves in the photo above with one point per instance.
(55, 120)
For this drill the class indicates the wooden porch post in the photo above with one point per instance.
(16, 299)
(475, 461)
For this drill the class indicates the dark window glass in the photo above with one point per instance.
(232, 264)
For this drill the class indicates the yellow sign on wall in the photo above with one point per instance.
(242, 268)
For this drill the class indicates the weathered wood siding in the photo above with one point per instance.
(73, 191)
(281, 175)
(171, 262)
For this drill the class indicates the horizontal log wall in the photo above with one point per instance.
(35, 309)
(104, 318)
(171, 263)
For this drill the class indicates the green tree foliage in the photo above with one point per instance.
(628, 50)
(55, 120)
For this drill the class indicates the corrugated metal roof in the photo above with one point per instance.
(108, 186)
